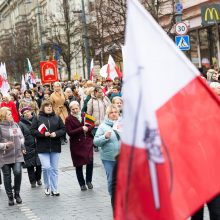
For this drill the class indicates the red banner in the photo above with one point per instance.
(48, 70)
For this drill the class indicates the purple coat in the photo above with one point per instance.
(81, 145)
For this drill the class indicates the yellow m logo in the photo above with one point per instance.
(211, 12)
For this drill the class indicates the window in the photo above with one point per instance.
(204, 47)
(193, 53)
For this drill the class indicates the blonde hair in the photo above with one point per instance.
(89, 83)
(7, 97)
(110, 108)
(57, 84)
(89, 91)
(3, 112)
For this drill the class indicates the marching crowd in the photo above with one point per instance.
(34, 123)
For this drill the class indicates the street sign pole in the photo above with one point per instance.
(182, 40)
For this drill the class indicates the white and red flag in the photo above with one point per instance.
(4, 84)
(42, 128)
(30, 76)
(91, 70)
(110, 70)
(23, 84)
(169, 160)
(113, 71)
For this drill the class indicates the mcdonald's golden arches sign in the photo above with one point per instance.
(210, 14)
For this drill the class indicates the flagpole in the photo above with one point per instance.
(154, 182)
(85, 36)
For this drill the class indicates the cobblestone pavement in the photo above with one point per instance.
(71, 205)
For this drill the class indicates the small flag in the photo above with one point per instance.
(4, 85)
(23, 84)
(110, 70)
(30, 76)
(89, 120)
(113, 71)
(42, 128)
(91, 70)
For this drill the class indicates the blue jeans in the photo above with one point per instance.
(49, 163)
(109, 167)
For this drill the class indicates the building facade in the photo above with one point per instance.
(46, 22)
(203, 19)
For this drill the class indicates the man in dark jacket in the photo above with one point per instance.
(32, 161)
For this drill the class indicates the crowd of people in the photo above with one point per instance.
(39, 118)
(34, 123)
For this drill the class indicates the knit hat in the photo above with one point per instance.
(25, 109)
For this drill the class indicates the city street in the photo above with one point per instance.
(72, 203)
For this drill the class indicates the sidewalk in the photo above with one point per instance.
(72, 203)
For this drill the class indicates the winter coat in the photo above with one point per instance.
(109, 147)
(54, 124)
(112, 95)
(85, 103)
(31, 157)
(29, 103)
(13, 108)
(81, 144)
(97, 108)
(10, 131)
(58, 105)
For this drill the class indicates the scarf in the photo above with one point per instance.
(78, 116)
(28, 100)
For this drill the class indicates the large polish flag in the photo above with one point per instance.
(169, 161)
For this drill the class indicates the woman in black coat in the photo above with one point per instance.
(32, 161)
(48, 128)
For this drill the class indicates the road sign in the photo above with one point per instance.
(183, 42)
(179, 7)
(181, 28)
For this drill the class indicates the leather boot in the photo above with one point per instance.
(11, 201)
(18, 198)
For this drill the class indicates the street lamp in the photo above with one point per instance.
(39, 27)
(86, 40)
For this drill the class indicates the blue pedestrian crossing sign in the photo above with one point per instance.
(183, 42)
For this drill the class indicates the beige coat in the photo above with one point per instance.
(58, 105)
(97, 108)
